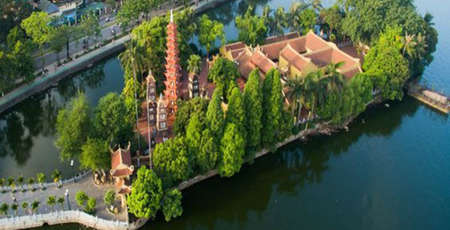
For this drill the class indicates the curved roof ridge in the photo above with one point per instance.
(334, 47)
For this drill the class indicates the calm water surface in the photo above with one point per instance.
(390, 171)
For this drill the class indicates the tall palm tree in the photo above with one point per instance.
(194, 64)
(279, 21)
(133, 59)
(316, 5)
(409, 45)
(336, 80)
(294, 94)
(311, 91)
(294, 15)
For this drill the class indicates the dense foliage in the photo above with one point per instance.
(171, 161)
(88, 137)
(252, 28)
(146, 194)
(172, 204)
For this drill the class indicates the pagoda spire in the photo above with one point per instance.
(173, 69)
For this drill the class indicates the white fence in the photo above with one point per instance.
(46, 185)
(63, 217)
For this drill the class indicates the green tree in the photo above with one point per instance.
(51, 201)
(90, 26)
(40, 178)
(81, 198)
(194, 64)
(56, 175)
(308, 20)
(236, 113)
(95, 155)
(253, 110)
(252, 29)
(37, 27)
(35, 206)
(233, 151)
(60, 201)
(90, 205)
(386, 63)
(272, 107)
(146, 194)
(222, 73)
(215, 115)
(185, 111)
(4, 209)
(294, 94)
(208, 154)
(208, 33)
(171, 206)
(109, 198)
(280, 22)
(111, 121)
(132, 61)
(73, 126)
(57, 42)
(332, 17)
(14, 207)
(13, 12)
(193, 136)
(171, 161)
(25, 206)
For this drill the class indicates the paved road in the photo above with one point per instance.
(77, 46)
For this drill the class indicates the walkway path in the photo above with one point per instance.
(86, 184)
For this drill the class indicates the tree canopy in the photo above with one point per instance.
(253, 110)
(172, 204)
(73, 127)
(171, 161)
(209, 31)
(233, 151)
(252, 28)
(146, 194)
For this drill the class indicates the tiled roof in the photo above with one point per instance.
(294, 58)
(308, 50)
(262, 62)
(122, 172)
(120, 156)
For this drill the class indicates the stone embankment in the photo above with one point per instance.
(63, 217)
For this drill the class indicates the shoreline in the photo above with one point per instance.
(80, 217)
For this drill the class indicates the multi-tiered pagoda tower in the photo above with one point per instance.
(173, 69)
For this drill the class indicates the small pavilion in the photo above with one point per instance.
(121, 170)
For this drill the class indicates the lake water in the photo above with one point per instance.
(391, 170)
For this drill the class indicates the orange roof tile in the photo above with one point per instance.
(120, 156)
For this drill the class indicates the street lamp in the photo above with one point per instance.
(67, 198)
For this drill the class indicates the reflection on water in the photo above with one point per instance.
(27, 132)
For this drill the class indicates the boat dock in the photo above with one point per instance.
(429, 97)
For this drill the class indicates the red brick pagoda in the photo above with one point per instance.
(173, 69)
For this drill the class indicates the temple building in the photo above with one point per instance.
(161, 119)
(173, 68)
(121, 170)
(292, 54)
(194, 86)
